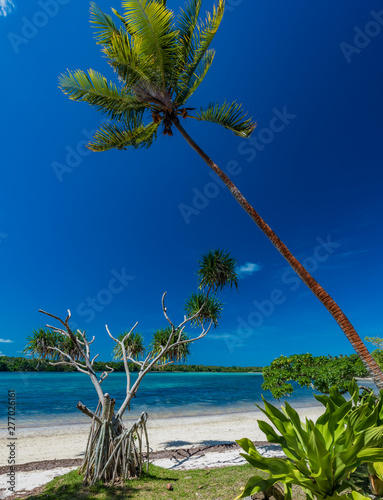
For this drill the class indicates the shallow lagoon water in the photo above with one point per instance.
(50, 398)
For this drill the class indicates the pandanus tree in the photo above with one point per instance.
(133, 343)
(45, 344)
(115, 452)
(160, 60)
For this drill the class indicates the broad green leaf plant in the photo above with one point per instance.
(321, 455)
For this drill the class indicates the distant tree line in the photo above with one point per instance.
(20, 364)
(203, 368)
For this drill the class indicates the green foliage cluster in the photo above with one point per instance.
(318, 372)
(178, 353)
(377, 354)
(217, 270)
(160, 59)
(134, 345)
(44, 343)
(210, 308)
(321, 456)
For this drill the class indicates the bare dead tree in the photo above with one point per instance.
(114, 452)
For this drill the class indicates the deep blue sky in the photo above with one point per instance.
(317, 181)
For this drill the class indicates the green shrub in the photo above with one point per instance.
(321, 455)
(318, 372)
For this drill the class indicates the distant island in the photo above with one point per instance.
(20, 364)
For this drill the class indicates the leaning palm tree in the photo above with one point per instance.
(160, 60)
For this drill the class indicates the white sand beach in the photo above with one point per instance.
(52, 443)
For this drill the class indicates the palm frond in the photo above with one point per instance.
(151, 22)
(124, 57)
(122, 19)
(208, 29)
(187, 22)
(133, 134)
(202, 37)
(103, 24)
(94, 89)
(197, 77)
(230, 116)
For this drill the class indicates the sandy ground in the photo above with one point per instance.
(56, 443)
(170, 433)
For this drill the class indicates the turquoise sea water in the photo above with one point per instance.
(45, 399)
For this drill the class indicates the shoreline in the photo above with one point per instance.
(69, 442)
(78, 422)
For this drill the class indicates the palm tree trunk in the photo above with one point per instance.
(350, 332)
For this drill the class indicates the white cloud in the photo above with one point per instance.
(6, 7)
(3, 340)
(247, 269)
(219, 336)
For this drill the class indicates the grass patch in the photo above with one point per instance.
(223, 483)
(212, 484)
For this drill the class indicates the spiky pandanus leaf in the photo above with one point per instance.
(40, 344)
(217, 269)
(211, 309)
(94, 89)
(67, 345)
(132, 133)
(134, 346)
(230, 116)
(176, 354)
